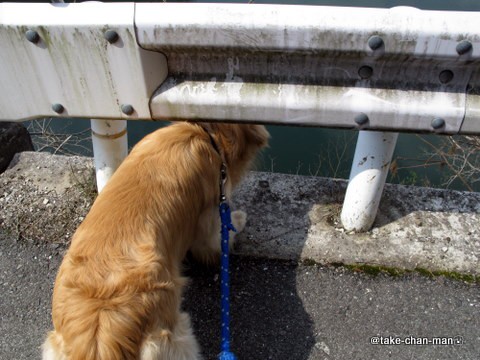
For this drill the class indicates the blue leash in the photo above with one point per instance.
(225, 216)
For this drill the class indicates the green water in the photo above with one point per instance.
(306, 151)
(328, 152)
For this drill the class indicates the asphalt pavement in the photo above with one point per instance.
(281, 310)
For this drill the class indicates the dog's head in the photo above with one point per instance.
(239, 144)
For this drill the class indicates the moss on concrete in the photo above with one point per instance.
(375, 270)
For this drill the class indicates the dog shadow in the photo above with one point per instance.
(268, 319)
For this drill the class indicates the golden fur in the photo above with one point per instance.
(118, 291)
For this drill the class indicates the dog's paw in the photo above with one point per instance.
(239, 220)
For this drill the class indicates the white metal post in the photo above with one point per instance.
(110, 147)
(371, 162)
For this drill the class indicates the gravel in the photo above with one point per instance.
(37, 208)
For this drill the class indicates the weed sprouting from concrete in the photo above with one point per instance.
(86, 183)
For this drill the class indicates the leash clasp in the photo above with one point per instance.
(223, 182)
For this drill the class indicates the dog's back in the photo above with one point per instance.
(118, 291)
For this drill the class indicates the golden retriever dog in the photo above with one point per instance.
(118, 291)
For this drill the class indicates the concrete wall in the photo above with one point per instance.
(45, 197)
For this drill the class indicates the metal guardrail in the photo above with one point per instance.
(396, 69)
(399, 69)
(57, 61)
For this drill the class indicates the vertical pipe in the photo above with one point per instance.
(110, 147)
(371, 162)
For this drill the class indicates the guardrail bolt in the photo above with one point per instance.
(58, 108)
(445, 76)
(32, 36)
(464, 47)
(375, 42)
(365, 72)
(438, 123)
(127, 109)
(111, 36)
(361, 119)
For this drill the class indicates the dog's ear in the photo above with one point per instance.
(207, 126)
(256, 134)
(240, 136)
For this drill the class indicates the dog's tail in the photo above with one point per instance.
(100, 330)
(53, 347)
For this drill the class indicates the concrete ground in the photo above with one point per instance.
(281, 310)
(291, 296)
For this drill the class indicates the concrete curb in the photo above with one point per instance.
(297, 217)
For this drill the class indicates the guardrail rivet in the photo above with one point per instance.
(32, 36)
(446, 76)
(464, 47)
(438, 123)
(127, 109)
(375, 42)
(111, 36)
(58, 108)
(361, 119)
(365, 72)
